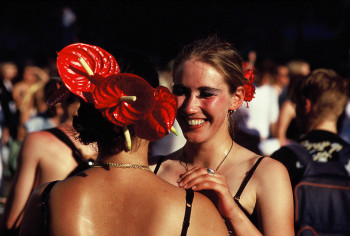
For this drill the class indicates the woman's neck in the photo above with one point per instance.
(137, 157)
(207, 154)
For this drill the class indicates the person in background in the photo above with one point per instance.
(257, 124)
(34, 78)
(8, 73)
(8, 118)
(320, 100)
(281, 82)
(119, 195)
(287, 130)
(252, 193)
(44, 156)
(47, 116)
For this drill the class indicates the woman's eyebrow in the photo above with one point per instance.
(209, 89)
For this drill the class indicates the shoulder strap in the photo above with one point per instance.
(160, 160)
(344, 155)
(78, 156)
(44, 205)
(247, 178)
(300, 152)
(189, 200)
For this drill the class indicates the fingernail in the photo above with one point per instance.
(180, 184)
(194, 187)
(186, 186)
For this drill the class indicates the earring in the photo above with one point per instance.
(230, 112)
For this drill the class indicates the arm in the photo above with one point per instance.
(198, 179)
(286, 115)
(273, 193)
(205, 218)
(22, 185)
(274, 112)
(275, 198)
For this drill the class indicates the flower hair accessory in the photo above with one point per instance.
(123, 98)
(249, 87)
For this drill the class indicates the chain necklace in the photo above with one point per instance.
(121, 165)
(222, 161)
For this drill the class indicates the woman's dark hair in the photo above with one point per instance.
(219, 54)
(89, 122)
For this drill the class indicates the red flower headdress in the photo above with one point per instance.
(123, 99)
(249, 87)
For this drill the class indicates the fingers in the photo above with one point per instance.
(201, 178)
(187, 173)
(195, 172)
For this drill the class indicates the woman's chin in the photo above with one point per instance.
(194, 138)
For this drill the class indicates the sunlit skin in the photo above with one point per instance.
(202, 96)
(204, 101)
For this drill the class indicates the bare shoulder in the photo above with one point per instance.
(38, 144)
(39, 138)
(271, 168)
(271, 174)
(206, 219)
(153, 160)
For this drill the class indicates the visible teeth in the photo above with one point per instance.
(195, 122)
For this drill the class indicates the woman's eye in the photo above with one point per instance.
(204, 94)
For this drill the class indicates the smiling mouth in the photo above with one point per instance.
(195, 122)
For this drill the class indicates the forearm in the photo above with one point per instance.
(14, 207)
(240, 224)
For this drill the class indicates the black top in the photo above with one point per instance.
(253, 217)
(323, 146)
(45, 208)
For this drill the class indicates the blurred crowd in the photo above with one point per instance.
(264, 126)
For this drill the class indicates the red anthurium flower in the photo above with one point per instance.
(97, 79)
(107, 93)
(123, 113)
(162, 117)
(249, 87)
(75, 76)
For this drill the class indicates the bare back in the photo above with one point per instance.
(42, 158)
(129, 202)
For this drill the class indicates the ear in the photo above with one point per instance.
(237, 98)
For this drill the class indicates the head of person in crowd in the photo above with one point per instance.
(320, 97)
(298, 69)
(282, 78)
(213, 69)
(8, 71)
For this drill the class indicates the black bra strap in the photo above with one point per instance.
(78, 156)
(247, 178)
(189, 200)
(160, 160)
(44, 205)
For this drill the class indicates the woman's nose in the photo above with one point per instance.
(191, 104)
